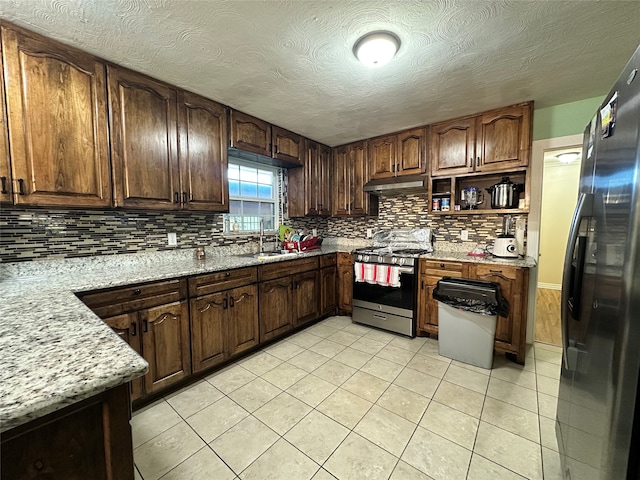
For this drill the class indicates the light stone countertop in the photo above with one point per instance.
(56, 352)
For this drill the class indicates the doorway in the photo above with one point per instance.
(554, 189)
(560, 180)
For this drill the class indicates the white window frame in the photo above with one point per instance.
(276, 199)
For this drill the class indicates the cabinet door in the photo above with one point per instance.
(412, 152)
(208, 315)
(250, 134)
(504, 276)
(5, 176)
(276, 309)
(127, 328)
(345, 282)
(503, 139)
(57, 113)
(143, 142)
(242, 324)
(328, 291)
(430, 284)
(203, 153)
(287, 146)
(306, 289)
(452, 146)
(165, 344)
(383, 156)
(324, 193)
(360, 176)
(313, 177)
(341, 174)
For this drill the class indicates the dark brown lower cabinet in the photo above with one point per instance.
(289, 295)
(345, 282)
(223, 324)
(88, 440)
(154, 320)
(328, 291)
(276, 308)
(305, 297)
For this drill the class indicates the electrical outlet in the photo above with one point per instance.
(369, 232)
(464, 235)
(172, 239)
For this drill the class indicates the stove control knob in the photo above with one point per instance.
(401, 261)
(394, 260)
(359, 257)
(366, 258)
(380, 258)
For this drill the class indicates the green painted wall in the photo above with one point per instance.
(566, 119)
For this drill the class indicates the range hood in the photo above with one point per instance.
(395, 185)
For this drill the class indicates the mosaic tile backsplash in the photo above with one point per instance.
(29, 234)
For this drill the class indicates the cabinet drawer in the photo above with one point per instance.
(492, 270)
(442, 268)
(219, 281)
(106, 303)
(328, 260)
(344, 258)
(282, 269)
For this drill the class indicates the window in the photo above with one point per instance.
(253, 196)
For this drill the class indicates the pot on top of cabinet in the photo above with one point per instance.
(505, 194)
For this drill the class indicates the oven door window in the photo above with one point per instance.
(400, 297)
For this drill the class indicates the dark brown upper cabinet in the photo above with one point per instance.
(57, 123)
(494, 141)
(202, 126)
(383, 155)
(412, 152)
(310, 186)
(399, 154)
(5, 171)
(144, 143)
(250, 134)
(286, 145)
(350, 173)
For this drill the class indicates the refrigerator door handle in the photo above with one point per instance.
(584, 209)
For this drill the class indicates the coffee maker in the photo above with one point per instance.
(471, 197)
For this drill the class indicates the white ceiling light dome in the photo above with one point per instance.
(568, 157)
(376, 48)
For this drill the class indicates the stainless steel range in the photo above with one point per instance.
(385, 280)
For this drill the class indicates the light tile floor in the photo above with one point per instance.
(343, 401)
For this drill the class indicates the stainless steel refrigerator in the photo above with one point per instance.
(598, 416)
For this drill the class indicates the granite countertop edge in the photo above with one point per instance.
(72, 354)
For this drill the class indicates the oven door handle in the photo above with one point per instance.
(408, 270)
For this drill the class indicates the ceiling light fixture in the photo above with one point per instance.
(567, 157)
(376, 48)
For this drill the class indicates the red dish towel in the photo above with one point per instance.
(358, 269)
(388, 275)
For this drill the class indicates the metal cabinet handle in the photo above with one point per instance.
(422, 285)
(20, 186)
(184, 197)
(232, 302)
(495, 271)
(134, 328)
(442, 265)
(177, 197)
(227, 274)
(4, 184)
(478, 162)
(145, 325)
(137, 291)
(225, 304)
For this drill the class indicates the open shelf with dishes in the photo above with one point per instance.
(445, 194)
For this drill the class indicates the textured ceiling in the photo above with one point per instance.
(291, 62)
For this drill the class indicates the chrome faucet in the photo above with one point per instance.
(262, 235)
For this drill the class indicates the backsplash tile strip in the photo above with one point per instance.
(30, 233)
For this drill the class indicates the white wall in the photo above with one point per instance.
(559, 196)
